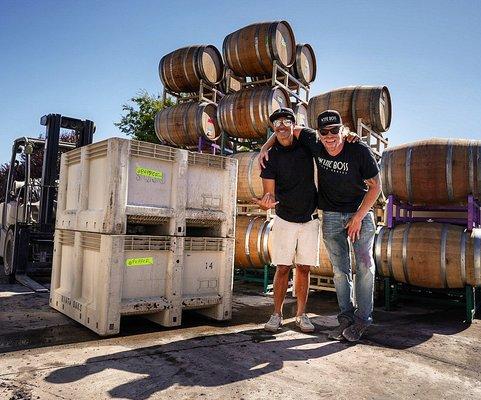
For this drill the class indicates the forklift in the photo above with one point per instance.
(27, 216)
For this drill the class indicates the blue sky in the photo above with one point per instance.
(86, 58)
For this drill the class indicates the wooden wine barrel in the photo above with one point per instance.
(181, 70)
(430, 255)
(245, 114)
(371, 103)
(251, 51)
(434, 171)
(252, 242)
(183, 124)
(249, 182)
(305, 66)
(301, 114)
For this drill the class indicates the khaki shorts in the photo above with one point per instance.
(294, 242)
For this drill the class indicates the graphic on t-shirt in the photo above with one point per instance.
(339, 167)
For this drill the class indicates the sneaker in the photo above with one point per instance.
(336, 333)
(354, 332)
(304, 323)
(274, 323)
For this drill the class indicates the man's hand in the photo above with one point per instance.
(351, 137)
(263, 156)
(267, 202)
(353, 227)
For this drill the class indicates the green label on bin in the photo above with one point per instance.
(150, 173)
(139, 262)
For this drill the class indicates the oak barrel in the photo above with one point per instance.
(183, 124)
(433, 171)
(181, 70)
(371, 103)
(251, 51)
(251, 242)
(301, 114)
(245, 114)
(305, 66)
(430, 255)
(249, 182)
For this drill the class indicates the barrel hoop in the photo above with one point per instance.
(373, 108)
(249, 174)
(409, 186)
(389, 252)
(167, 130)
(265, 246)
(477, 256)
(390, 155)
(256, 44)
(247, 240)
(185, 123)
(444, 236)
(449, 171)
(378, 249)
(471, 167)
(184, 63)
(173, 86)
(236, 51)
(258, 243)
(463, 257)
(353, 107)
(230, 115)
(271, 42)
(252, 97)
(199, 126)
(199, 70)
(405, 253)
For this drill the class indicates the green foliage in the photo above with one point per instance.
(139, 118)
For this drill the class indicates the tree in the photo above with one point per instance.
(139, 119)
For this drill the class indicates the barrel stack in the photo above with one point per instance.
(432, 237)
(192, 76)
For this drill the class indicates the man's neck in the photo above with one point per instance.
(285, 142)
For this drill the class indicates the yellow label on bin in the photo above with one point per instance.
(150, 173)
(139, 262)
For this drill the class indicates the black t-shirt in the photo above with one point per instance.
(293, 170)
(341, 185)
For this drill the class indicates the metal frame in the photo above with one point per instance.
(465, 298)
(205, 93)
(404, 213)
(374, 139)
(257, 275)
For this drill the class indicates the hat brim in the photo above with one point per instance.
(283, 115)
(330, 126)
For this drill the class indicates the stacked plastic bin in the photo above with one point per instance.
(143, 229)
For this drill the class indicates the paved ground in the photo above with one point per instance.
(414, 352)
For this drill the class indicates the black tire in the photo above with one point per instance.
(8, 253)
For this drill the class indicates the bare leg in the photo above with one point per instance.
(281, 281)
(302, 287)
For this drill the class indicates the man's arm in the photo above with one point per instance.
(268, 201)
(355, 223)
(264, 153)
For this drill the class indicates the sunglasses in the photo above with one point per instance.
(333, 131)
(286, 122)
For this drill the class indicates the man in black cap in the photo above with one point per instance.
(288, 180)
(348, 186)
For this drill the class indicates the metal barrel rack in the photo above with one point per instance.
(467, 297)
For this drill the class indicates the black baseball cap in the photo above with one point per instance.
(328, 119)
(283, 112)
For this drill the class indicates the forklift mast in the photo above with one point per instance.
(28, 247)
(53, 123)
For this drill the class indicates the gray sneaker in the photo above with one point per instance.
(354, 332)
(275, 321)
(336, 333)
(304, 323)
